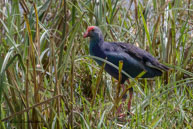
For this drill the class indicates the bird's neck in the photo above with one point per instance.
(95, 46)
(97, 40)
(96, 49)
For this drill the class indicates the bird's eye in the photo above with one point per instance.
(92, 30)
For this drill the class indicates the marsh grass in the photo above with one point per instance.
(47, 79)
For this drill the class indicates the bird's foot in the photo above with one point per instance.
(125, 116)
(122, 115)
(129, 113)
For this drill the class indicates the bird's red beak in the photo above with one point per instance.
(86, 34)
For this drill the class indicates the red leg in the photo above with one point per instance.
(123, 100)
(130, 99)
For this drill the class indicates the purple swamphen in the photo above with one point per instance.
(135, 60)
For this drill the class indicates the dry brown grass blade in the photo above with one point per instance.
(33, 62)
(72, 93)
(57, 91)
(37, 40)
(24, 6)
(136, 10)
(27, 89)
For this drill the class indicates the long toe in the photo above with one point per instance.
(129, 113)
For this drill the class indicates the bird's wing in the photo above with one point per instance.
(130, 65)
(114, 53)
(142, 56)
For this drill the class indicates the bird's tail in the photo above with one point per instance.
(157, 65)
(163, 67)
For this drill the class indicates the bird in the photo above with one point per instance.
(135, 60)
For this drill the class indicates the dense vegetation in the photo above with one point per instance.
(48, 79)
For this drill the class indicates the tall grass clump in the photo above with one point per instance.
(48, 80)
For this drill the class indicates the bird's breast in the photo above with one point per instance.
(95, 50)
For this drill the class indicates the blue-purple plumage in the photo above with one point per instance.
(135, 60)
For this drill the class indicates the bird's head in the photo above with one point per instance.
(93, 32)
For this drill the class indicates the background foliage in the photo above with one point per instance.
(47, 79)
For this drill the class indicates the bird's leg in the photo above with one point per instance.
(123, 100)
(129, 102)
(130, 99)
